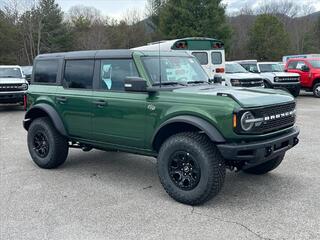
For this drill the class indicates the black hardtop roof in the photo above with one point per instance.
(99, 54)
(121, 53)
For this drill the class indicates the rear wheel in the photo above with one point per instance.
(190, 168)
(265, 167)
(316, 90)
(47, 147)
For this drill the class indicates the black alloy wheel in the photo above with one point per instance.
(184, 170)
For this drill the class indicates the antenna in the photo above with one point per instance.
(160, 78)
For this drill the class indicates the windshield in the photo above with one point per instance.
(10, 73)
(271, 67)
(315, 63)
(27, 70)
(235, 68)
(174, 69)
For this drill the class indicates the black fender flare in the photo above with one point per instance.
(209, 129)
(38, 110)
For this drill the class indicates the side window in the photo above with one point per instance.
(300, 65)
(46, 71)
(78, 74)
(202, 57)
(292, 65)
(216, 57)
(114, 71)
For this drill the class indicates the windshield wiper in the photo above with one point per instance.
(168, 83)
(197, 82)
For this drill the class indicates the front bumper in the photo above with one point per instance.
(255, 153)
(289, 85)
(12, 97)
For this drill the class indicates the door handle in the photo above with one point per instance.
(61, 100)
(100, 103)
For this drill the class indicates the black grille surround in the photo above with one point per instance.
(10, 87)
(251, 82)
(273, 124)
(288, 79)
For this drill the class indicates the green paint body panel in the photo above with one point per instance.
(129, 120)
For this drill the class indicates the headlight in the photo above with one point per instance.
(24, 86)
(276, 79)
(235, 82)
(247, 121)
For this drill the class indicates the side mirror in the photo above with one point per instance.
(135, 84)
(217, 79)
(305, 68)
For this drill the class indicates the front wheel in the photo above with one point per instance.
(295, 92)
(190, 168)
(265, 167)
(47, 147)
(316, 90)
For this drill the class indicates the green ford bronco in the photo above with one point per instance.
(116, 100)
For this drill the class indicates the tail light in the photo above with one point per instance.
(219, 70)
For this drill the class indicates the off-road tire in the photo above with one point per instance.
(316, 91)
(209, 160)
(57, 144)
(265, 167)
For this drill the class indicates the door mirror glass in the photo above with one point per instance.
(135, 84)
(305, 68)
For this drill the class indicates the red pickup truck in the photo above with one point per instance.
(309, 70)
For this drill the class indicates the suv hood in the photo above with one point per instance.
(243, 76)
(246, 97)
(281, 74)
(12, 80)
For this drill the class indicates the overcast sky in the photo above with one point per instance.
(117, 8)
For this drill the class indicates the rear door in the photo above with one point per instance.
(74, 98)
(217, 60)
(203, 59)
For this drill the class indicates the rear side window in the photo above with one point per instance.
(46, 71)
(78, 74)
(216, 57)
(202, 57)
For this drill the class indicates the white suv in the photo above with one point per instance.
(274, 75)
(13, 85)
(237, 76)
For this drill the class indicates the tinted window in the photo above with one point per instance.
(79, 74)
(114, 71)
(202, 57)
(216, 58)
(46, 71)
(292, 65)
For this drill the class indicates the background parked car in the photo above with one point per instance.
(274, 76)
(238, 76)
(13, 85)
(27, 72)
(309, 71)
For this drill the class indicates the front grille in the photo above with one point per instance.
(251, 83)
(288, 79)
(10, 87)
(277, 123)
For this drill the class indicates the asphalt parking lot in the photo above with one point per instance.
(102, 195)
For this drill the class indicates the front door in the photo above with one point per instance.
(118, 116)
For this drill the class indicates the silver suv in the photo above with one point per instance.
(13, 85)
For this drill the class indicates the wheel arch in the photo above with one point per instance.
(183, 124)
(44, 110)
